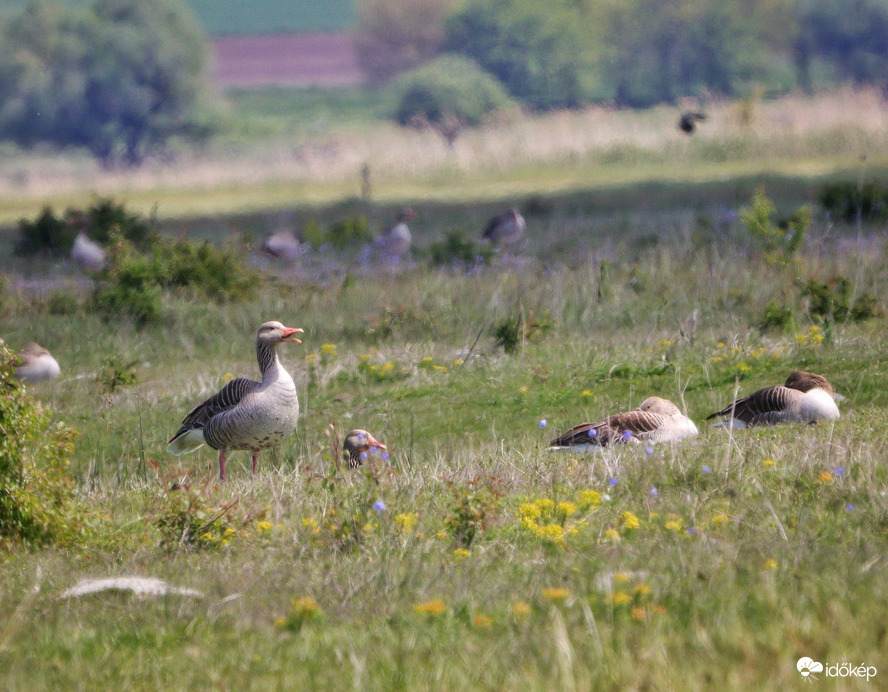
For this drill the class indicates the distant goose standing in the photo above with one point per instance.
(656, 420)
(87, 254)
(36, 364)
(246, 414)
(804, 398)
(396, 241)
(358, 444)
(505, 229)
(283, 244)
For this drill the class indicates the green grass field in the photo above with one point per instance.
(715, 562)
(474, 558)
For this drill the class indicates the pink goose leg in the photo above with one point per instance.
(222, 460)
(255, 461)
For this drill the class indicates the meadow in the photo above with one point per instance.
(473, 558)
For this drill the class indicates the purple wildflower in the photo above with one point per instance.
(544, 423)
(379, 506)
(613, 481)
(649, 450)
(706, 469)
(627, 436)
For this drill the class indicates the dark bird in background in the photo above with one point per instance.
(687, 123)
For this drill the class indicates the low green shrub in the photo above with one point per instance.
(852, 201)
(832, 300)
(780, 243)
(133, 282)
(457, 250)
(56, 234)
(35, 488)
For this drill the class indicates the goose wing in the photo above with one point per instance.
(226, 398)
(764, 407)
(612, 429)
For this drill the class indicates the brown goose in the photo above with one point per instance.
(396, 240)
(656, 420)
(246, 414)
(804, 398)
(358, 444)
(505, 229)
(36, 364)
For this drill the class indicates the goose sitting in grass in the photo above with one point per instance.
(36, 363)
(803, 398)
(358, 445)
(656, 420)
(246, 414)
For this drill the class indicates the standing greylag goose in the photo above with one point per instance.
(87, 254)
(246, 414)
(505, 229)
(396, 240)
(36, 364)
(804, 398)
(358, 444)
(656, 420)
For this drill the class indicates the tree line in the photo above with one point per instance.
(122, 77)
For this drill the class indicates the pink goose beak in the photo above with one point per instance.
(288, 332)
(373, 442)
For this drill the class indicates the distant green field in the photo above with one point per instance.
(226, 17)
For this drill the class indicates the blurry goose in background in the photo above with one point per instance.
(687, 123)
(505, 229)
(804, 398)
(283, 244)
(396, 241)
(358, 444)
(36, 364)
(246, 414)
(656, 420)
(87, 254)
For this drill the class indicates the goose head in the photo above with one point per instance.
(806, 381)
(656, 404)
(274, 333)
(358, 443)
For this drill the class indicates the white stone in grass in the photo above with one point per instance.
(143, 587)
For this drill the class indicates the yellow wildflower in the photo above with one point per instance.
(566, 508)
(432, 608)
(612, 535)
(629, 521)
(826, 477)
(770, 563)
(545, 504)
(720, 344)
(460, 554)
(328, 349)
(482, 621)
(439, 368)
(743, 367)
(386, 368)
(263, 526)
(767, 462)
(638, 613)
(520, 610)
(642, 590)
(457, 363)
(588, 392)
(720, 519)
(622, 577)
(529, 510)
(590, 497)
(406, 522)
(522, 389)
(555, 593)
(672, 525)
(621, 598)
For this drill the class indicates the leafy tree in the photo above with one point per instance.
(447, 94)
(393, 36)
(663, 50)
(851, 35)
(119, 77)
(541, 52)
